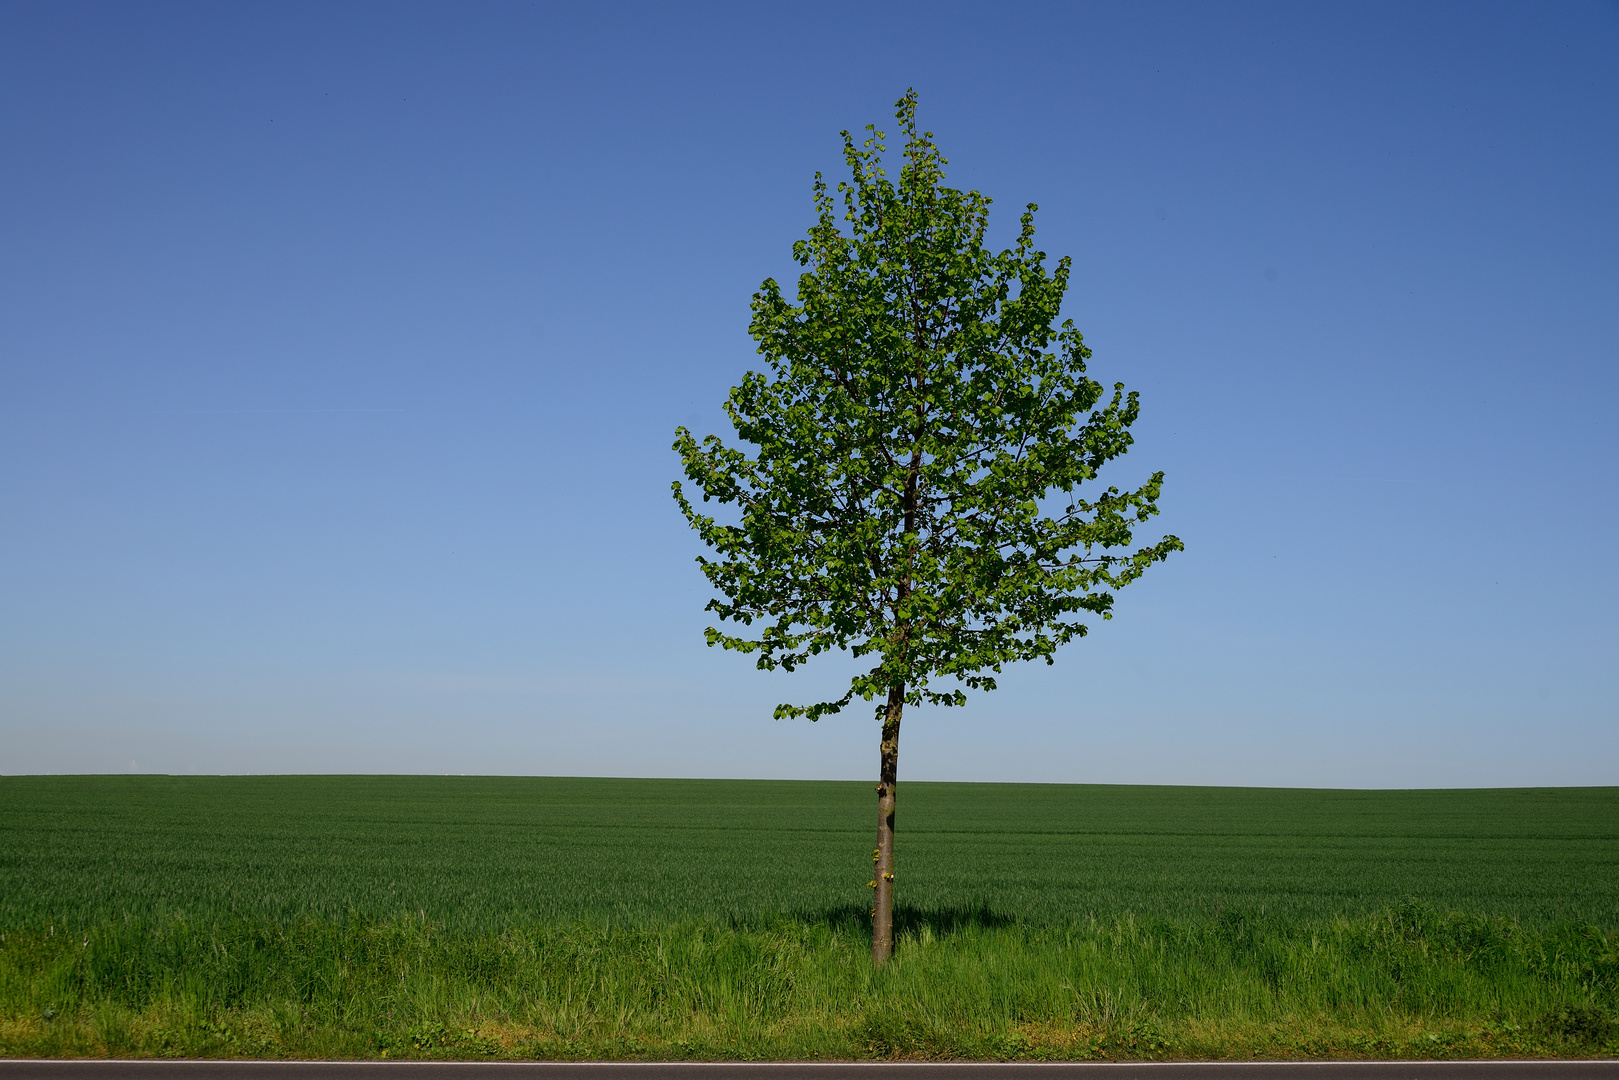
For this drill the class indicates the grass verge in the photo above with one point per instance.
(1406, 981)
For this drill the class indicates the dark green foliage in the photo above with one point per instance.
(919, 446)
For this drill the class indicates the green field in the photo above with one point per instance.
(450, 916)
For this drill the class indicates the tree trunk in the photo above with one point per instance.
(882, 906)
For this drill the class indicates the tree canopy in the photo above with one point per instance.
(921, 441)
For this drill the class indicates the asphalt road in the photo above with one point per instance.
(477, 1070)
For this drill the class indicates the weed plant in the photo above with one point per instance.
(486, 918)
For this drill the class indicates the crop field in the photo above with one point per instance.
(498, 917)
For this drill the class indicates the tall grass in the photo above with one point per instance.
(440, 917)
(1407, 981)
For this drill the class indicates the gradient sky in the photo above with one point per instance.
(341, 349)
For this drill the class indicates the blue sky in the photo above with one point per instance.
(341, 349)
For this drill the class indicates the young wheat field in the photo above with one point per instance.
(567, 918)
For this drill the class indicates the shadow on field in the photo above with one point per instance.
(856, 919)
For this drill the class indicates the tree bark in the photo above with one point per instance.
(882, 905)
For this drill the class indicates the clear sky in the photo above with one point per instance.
(341, 348)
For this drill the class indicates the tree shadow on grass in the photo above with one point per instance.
(855, 919)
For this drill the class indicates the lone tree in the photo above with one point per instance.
(921, 440)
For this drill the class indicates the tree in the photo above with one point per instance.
(921, 440)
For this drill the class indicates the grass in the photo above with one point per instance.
(494, 917)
